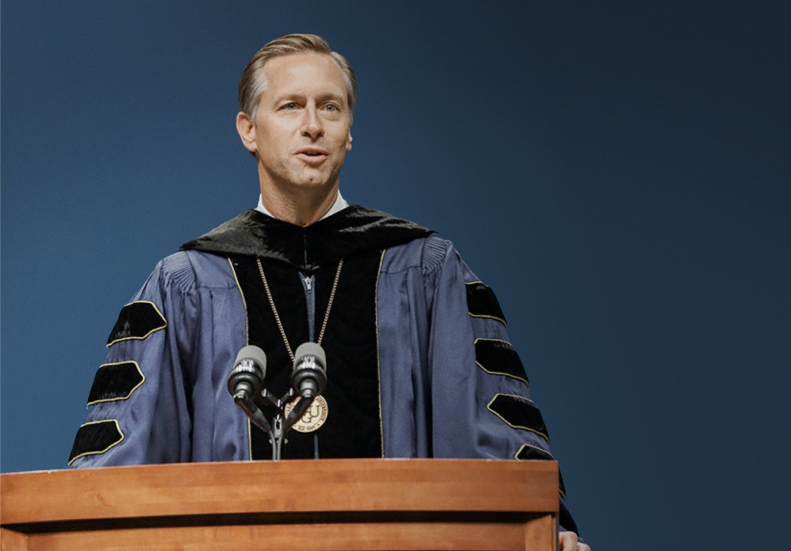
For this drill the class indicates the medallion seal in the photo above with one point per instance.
(314, 418)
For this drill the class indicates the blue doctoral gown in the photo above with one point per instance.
(451, 385)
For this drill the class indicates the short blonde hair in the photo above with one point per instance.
(253, 82)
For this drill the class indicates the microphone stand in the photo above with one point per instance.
(281, 423)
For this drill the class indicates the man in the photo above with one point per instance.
(419, 364)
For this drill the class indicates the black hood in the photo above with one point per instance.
(353, 230)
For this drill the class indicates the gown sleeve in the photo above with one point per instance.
(480, 391)
(139, 403)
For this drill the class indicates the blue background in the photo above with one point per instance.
(618, 172)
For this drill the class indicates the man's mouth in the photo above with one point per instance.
(312, 155)
(311, 151)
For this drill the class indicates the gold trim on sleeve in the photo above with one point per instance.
(484, 316)
(154, 330)
(247, 341)
(490, 372)
(504, 420)
(118, 428)
(129, 395)
(523, 446)
(378, 363)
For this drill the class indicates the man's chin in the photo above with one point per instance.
(313, 179)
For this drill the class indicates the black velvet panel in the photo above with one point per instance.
(353, 426)
(527, 452)
(95, 437)
(499, 358)
(562, 486)
(115, 381)
(345, 234)
(482, 303)
(137, 320)
(519, 413)
(566, 521)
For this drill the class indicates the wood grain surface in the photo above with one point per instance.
(326, 505)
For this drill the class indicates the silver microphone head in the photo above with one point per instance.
(248, 372)
(310, 370)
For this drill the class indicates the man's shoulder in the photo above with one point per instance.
(189, 270)
(434, 256)
(428, 253)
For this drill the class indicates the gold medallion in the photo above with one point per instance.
(313, 418)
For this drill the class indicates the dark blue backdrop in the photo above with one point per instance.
(618, 172)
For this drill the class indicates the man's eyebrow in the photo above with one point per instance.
(302, 95)
(332, 94)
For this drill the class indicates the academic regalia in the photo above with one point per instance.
(418, 359)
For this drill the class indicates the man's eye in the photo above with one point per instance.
(330, 107)
(291, 106)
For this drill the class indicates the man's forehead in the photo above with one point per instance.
(304, 68)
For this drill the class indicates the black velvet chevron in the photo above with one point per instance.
(528, 452)
(351, 231)
(115, 381)
(519, 413)
(482, 303)
(137, 320)
(97, 437)
(499, 358)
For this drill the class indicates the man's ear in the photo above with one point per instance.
(349, 141)
(246, 130)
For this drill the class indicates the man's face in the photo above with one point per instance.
(301, 132)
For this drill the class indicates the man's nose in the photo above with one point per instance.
(312, 124)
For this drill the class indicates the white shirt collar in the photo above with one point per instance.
(337, 206)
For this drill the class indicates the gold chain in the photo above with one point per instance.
(329, 302)
(277, 317)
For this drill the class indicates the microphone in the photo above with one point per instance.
(310, 370)
(247, 376)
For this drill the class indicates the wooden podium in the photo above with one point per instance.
(325, 505)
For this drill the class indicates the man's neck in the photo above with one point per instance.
(300, 211)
